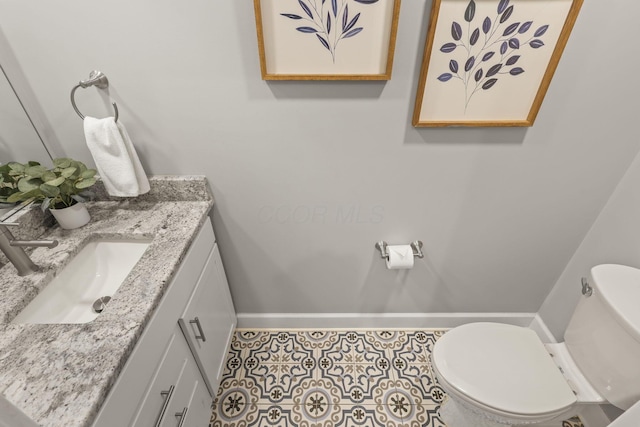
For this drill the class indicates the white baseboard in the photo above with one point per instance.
(376, 320)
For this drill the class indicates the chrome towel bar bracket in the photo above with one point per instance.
(97, 79)
(416, 247)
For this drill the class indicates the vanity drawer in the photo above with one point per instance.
(192, 406)
(163, 389)
(176, 391)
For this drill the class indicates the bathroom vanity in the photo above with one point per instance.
(155, 355)
(173, 373)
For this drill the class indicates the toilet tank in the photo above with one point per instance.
(603, 336)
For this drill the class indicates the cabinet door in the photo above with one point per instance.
(209, 320)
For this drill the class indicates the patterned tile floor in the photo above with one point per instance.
(330, 378)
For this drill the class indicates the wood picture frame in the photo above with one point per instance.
(490, 62)
(326, 39)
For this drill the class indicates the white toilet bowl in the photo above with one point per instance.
(503, 375)
(500, 374)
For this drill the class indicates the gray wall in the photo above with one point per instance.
(308, 176)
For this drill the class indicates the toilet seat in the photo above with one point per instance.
(502, 369)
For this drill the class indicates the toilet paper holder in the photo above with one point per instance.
(416, 246)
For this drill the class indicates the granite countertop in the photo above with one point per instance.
(60, 374)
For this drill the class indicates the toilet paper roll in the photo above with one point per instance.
(400, 257)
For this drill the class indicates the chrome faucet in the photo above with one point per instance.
(12, 248)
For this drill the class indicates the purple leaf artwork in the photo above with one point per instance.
(489, 47)
(330, 20)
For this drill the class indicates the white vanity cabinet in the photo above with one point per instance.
(173, 373)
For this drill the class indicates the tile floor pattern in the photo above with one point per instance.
(331, 378)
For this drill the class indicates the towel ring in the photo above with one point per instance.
(97, 79)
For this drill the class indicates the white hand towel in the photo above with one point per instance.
(116, 159)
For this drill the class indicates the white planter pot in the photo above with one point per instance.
(72, 217)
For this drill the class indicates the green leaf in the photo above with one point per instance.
(18, 197)
(55, 182)
(32, 163)
(85, 183)
(67, 188)
(49, 190)
(35, 171)
(89, 173)
(17, 167)
(48, 176)
(77, 166)
(62, 162)
(67, 172)
(28, 184)
(15, 197)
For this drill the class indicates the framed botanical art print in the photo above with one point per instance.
(326, 39)
(490, 62)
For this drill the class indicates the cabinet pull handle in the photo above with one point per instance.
(182, 416)
(200, 331)
(168, 394)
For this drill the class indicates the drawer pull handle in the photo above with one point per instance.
(168, 395)
(182, 416)
(200, 331)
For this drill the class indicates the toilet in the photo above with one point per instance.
(498, 375)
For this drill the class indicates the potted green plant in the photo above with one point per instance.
(61, 189)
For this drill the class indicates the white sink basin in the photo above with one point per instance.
(96, 271)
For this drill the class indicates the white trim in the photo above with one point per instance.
(376, 320)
